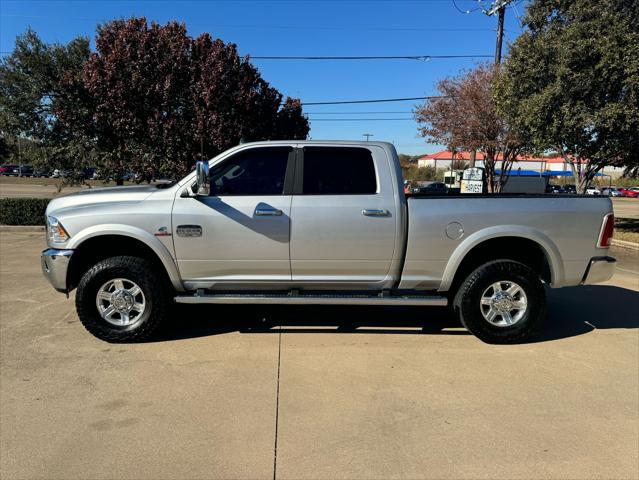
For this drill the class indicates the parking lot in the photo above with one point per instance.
(316, 393)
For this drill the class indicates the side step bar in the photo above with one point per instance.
(313, 299)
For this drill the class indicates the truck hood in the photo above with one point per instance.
(97, 196)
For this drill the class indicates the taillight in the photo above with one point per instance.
(607, 230)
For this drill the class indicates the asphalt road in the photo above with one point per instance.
(316, 393)
(626, 207)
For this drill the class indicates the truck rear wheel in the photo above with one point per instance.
(502, 301)
(122, 299)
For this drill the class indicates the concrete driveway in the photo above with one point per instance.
(316, 393)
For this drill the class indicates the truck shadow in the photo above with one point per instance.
(575, 311)
(571, 312)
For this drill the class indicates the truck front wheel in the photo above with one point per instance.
(502, 301)
(122, 299)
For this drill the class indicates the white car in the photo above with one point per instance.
(611, 192)
(593, 191)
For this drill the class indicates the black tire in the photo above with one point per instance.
(467, 302)
(157, 295)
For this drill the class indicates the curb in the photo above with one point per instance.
(625, 244)
(21, 228)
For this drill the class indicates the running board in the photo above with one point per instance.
(313, 299)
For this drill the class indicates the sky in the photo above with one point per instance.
(311, 28)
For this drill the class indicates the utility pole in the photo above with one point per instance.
(498, 7)
(500, 34)
(367, 135)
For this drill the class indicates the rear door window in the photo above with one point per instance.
(338, 171)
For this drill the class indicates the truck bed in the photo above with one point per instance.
(443, 229)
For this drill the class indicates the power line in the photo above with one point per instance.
(357, 119)
(467, 11)
(424, 58)
(341, 102)
(285, 27)
(359, 113)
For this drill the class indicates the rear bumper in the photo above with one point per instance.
(599, 270)
(55, 264)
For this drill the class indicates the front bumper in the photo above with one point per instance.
(599, 270)
(55, 264)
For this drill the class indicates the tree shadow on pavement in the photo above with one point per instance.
(571, 311)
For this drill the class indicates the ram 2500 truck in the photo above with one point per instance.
(311, 222)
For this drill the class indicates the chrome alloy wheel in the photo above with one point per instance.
(504, 303)
(120, 302)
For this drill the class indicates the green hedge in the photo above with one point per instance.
(22, 211)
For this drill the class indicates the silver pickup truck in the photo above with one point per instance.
(314, 222)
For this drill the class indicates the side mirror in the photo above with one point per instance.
(203, 179)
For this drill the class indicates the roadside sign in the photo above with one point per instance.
(473, 180)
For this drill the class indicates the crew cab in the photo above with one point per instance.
(319, 222)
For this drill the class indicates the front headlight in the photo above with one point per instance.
(56, 232)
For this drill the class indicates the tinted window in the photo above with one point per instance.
(338, 171)
(257, 171)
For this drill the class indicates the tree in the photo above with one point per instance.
(159, 99)
(5, 151)
(31, 89)
(465, 117)
(138, 85)
(572, 81)
(458, 163)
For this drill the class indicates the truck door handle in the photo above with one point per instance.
(268, 212)
(375, 213)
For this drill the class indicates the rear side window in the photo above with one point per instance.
(338, 171)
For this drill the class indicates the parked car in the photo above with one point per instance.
(316, 223)
(41, 172)
(570, 189)
(57, 173)
(431, 188)
(19, 171)
(611, 192)
(7, 169)
(554, 189)
(627, 192)
(90, 173)
(593, 191)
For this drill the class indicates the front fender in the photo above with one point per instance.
(548, 246)
(137, 233)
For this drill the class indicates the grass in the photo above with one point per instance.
(627, 229)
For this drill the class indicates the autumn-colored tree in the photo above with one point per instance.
(138, 86)
(159, 99)
(458, 162)
(465, 117)
(234, 103)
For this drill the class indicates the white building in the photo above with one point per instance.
(444, 159)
